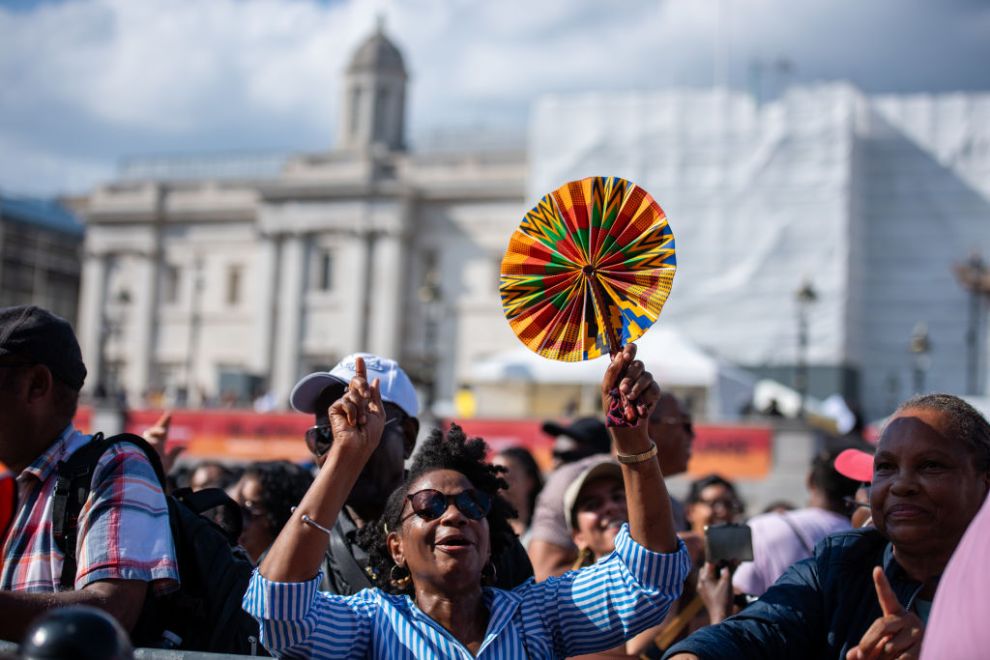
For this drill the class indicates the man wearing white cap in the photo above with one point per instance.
(344, 569)
(346, 561)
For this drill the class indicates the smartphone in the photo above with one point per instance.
(728, 542)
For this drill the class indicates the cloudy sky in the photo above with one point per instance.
(85, 83)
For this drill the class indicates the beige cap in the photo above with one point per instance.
(607, 467)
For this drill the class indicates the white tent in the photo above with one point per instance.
(674, 361)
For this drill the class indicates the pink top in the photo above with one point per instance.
(780, 540)
(957, 627)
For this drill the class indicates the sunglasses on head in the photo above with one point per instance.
(319, 438)
(430, 504)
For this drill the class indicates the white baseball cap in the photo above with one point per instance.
(395, 384)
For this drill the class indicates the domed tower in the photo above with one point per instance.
(374, 96)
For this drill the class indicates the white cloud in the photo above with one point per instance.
(86, 81)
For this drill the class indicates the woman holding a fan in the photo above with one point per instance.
(438, 536)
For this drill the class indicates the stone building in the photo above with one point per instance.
(40, 255)
(218, 279)
(201, 286)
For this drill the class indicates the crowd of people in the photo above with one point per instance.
(385, 547)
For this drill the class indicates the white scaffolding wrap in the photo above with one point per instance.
(871, 199)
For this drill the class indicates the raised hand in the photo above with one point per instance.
(157, 437)
(896, 634)
(628, 390)
(358, 417)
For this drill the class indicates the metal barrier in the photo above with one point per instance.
(9, 649)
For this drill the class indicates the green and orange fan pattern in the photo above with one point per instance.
(588, 270)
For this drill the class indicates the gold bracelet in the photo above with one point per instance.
(638, 458)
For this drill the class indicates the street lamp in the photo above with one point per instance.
(974, 276)
(805, 296)
(920, 347)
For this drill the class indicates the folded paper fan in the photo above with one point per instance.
(588, 270)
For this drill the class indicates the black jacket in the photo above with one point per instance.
(819, 608)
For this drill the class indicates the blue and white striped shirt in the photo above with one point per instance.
(583, 611)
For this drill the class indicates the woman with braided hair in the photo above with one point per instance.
(441, 534)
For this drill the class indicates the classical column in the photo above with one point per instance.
(360, 247)
(92, 305)
(266, 281)
(386, 301)
(144, 310)
(289, 317)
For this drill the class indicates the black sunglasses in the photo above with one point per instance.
(430, 504)
(319, 438)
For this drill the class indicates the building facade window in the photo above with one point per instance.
(171, 278)
(323, 275)
(234, 285)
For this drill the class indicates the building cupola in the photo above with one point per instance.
(373, 112)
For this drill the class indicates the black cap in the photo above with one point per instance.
(38, 336)
(589, 432)
(78, 632)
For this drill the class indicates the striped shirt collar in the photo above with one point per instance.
(502, 606)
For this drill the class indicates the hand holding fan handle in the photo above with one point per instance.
(622, 412)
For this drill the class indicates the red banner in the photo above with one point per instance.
(732, 451)
(226, 434)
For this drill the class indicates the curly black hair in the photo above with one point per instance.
(283, 485)
(452, 450)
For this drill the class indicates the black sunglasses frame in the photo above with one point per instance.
(473, 503)
(319, 437)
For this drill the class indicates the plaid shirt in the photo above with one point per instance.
(123, 530)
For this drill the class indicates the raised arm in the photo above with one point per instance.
(358, 419)
(651, 523)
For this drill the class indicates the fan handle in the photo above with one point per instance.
(621, 413)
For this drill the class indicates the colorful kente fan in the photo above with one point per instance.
(588, 270)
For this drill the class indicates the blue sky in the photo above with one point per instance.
(84, 83)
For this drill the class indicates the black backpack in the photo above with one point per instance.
(205, 613)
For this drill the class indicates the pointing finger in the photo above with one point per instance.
(165, 420)
(888, 599)
(361, 376)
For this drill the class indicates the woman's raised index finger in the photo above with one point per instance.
(888, 599)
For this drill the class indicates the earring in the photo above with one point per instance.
(401, 580)
(489, 576)
(585, 558)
